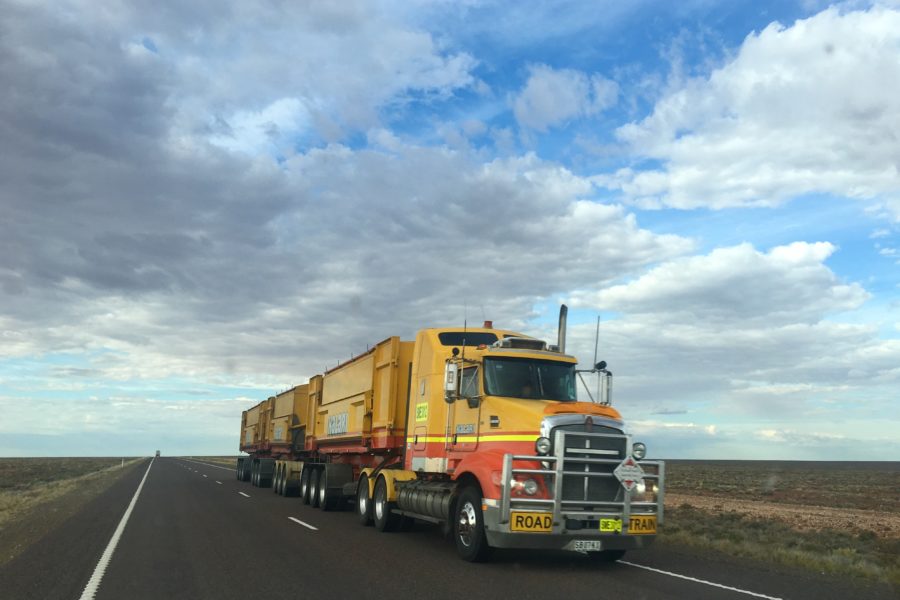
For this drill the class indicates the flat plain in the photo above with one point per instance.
(841, 518)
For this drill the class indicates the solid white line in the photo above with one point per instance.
(243, 494)
(209, 465)
(304, 524)
(703, 581)
(94, 583)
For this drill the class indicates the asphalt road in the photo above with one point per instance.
(196, 532)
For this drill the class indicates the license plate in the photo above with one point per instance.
(534, 522)
(642, 525)
(587, 545)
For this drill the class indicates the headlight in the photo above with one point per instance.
(639, 450)
(542, 446)
(530, 487)
(641, 487)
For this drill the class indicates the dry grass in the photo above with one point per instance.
(839, 518)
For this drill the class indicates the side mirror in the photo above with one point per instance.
(473, 402)
(600, 365)
(451, 382)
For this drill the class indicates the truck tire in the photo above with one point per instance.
(276, 480)
(328, 499)
(606, 556)
(363, 502)
(304, 484)
(254, 474)
(382, 510)
(468, 527)
(314, 479)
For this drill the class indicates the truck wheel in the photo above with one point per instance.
(384, 517)
(606, 556)
(304, 485)
(314, 479)
(363, 502)
(276, 480)
(254, 475)
(468, 525)
(328, 499)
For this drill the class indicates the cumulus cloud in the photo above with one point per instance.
(553, 96)
(807, 108)
(743, 332)
(788, 284)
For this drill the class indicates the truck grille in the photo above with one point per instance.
(583, 476)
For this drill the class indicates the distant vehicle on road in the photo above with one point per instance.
(157, 453)
(477, 429)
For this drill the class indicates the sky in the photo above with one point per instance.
(203, 204)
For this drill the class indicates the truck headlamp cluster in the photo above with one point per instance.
(542, 446)
(530, 487)
(639, 450)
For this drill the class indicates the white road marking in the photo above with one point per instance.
(703, 581)
(219, 482)
(204, 475)
(208, 465)
(243, 494)
(90, 590)
(304, 524)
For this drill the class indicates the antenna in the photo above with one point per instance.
(596, 340)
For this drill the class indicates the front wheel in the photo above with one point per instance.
(468, 527)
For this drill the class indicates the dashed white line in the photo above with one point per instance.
(304, 524)
(208, 465)
(204, 475)
(94, 583)
(219, 482)
(703, 581)
(244, 495)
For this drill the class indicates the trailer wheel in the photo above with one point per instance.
(275, 480)
(327, 499)
(314, 479)
(279, 480)
(606, 556)
(468, 526)
(384, 517)
(304, 484)
(363, 502)
(254, 474)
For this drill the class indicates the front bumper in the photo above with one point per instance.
(560, 538)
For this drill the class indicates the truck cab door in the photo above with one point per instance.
(464, 420)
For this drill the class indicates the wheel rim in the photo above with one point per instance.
(467, 523)
(322, 491)
(362, 497)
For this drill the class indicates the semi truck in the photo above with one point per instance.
(478, 430)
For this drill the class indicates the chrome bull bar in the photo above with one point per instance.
(563, 461)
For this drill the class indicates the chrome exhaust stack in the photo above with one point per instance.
(561, 332)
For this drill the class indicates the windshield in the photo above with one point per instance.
(529, 378)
